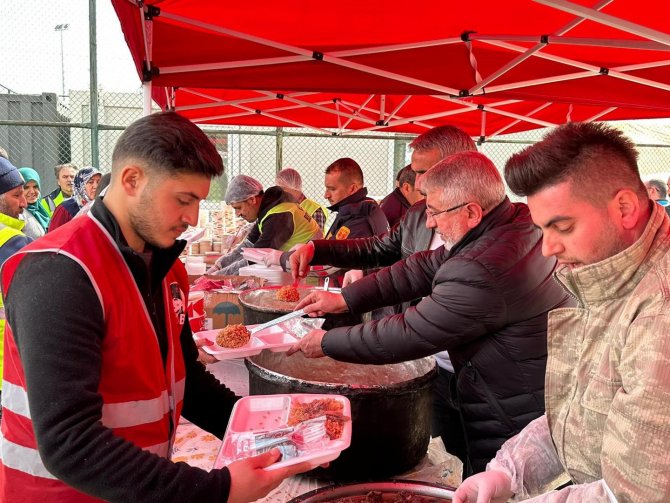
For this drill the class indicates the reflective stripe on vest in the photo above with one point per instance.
(7, 233)
(125, 414)
(50, 204)
(311, 206)
(22, 458)
(14, 398)
(304, 226)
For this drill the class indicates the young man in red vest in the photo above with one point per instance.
(97, 376)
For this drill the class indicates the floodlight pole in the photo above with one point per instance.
(61, 28)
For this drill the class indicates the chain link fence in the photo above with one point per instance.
(54, 110)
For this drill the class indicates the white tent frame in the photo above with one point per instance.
(378, 118)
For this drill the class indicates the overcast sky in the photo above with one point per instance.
(30, 50)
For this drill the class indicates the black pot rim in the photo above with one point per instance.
(396, 388)
(370, 486)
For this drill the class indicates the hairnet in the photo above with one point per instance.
(290, 179)
(242, 187)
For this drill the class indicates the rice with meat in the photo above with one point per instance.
(233, 336)
(288, 294)
(329, 407)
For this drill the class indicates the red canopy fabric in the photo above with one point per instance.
(491, 66)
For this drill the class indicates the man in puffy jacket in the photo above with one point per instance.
(357, 214)
(485, 300)
(411, 235)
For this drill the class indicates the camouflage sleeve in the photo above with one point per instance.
(593, 492)
(636, 433)
(530, 460)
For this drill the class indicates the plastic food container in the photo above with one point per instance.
(259, 423)
(273, 338)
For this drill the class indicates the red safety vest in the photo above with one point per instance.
(142, 398)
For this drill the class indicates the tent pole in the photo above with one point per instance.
(608, 20)
(146, 98)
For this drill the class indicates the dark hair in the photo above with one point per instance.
(104, 182)
(349, 170)
(168, 143)
(407, 175)
(596, 158)
(448, 139)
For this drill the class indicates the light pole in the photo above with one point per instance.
(61, 28)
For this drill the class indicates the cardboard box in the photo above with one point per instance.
(222, 307)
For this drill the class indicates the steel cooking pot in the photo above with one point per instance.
(390, 406)
(431, 492)
(261, 305)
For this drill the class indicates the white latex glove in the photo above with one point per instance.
(491, 486)
(272, 258)
(351, 277)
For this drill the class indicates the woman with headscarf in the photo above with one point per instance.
(85, 184)
(36, 217)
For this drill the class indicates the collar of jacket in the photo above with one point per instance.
(356, 197)
(618, 275)
(14, 223)
(54, 194)
(271, 198)
(162, 259)
(400, 197)
(497, 216)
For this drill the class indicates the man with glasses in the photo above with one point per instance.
(485, 300)
(409, 236)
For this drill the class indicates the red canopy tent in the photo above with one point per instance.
(490, 66)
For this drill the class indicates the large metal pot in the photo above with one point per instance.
(390, 407)
(260, 305)
(431, 492)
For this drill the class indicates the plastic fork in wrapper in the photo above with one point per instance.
(292, 441)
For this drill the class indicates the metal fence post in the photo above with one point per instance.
(93, 57)
(279, 141)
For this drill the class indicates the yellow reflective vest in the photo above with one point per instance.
(304, 226)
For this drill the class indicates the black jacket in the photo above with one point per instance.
(409, 236)
(359, 214)
(60, 338)
(394, 206)
(277, 228)
(486, 302)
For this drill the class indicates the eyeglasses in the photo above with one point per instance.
(433, 214)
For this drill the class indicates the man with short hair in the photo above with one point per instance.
(411, 235)
(65, 174)
(12, 239)
(396, 204)
(101, 373)
(485, 300)
(291, 181)
(279, 222)
(357, 214)
(607, 424)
